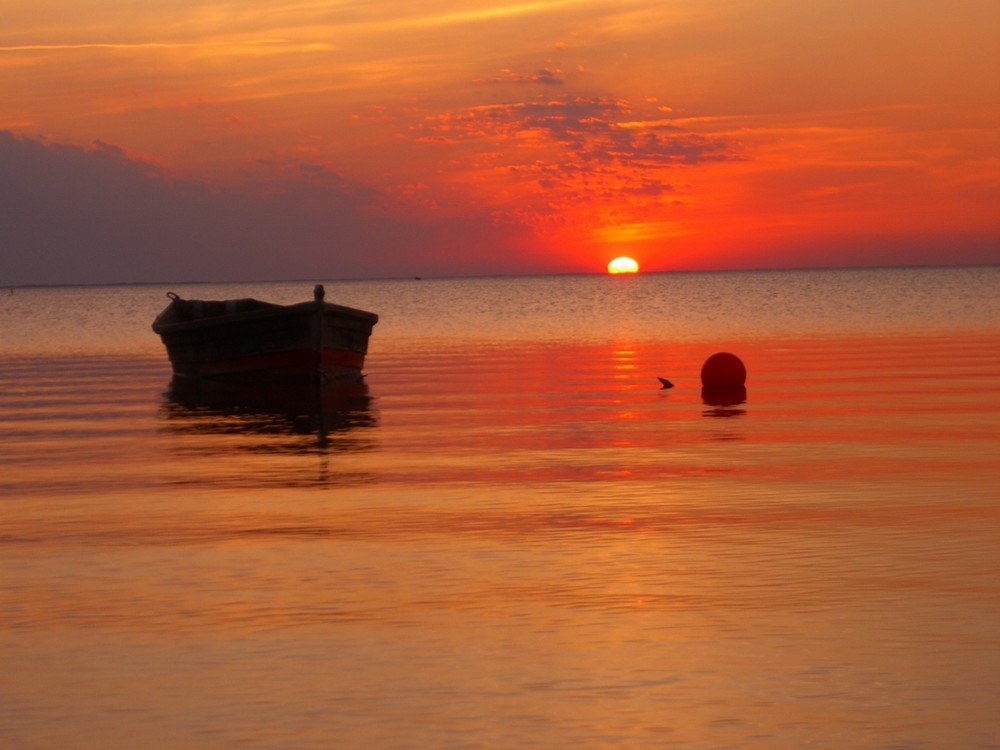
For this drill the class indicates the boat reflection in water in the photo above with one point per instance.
(331, 412)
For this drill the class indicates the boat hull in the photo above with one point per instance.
(247, 339)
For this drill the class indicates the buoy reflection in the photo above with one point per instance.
(724, 400)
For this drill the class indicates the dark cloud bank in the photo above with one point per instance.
(72, 215)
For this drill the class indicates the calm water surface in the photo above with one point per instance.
(511, 537)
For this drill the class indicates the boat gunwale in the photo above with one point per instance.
(268, 310)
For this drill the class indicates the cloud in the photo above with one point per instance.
(464, 16)
(585, 130)
(96, 215)
(544, 75)
(590, 161)
(139, 45)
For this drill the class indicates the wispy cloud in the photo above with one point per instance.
(55, 47)
(583, 130)
(547, 76)
(594, 163)
(480, 15)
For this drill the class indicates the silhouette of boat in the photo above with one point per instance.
(251, 339)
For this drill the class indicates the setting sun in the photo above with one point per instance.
(623, 265)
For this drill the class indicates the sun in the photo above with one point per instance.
(623, 265)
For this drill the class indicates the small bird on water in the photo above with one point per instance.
(666, 383)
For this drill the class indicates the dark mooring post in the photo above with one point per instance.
(318, 294)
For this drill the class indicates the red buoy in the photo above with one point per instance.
(722, 369)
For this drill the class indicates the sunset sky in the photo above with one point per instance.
(389, 138)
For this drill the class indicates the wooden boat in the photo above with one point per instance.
(250, 339)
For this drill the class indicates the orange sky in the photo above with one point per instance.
(384, 138)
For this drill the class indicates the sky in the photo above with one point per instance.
(175, 140)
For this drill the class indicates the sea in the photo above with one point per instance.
(510, 535)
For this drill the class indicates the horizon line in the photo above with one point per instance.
(419, 277)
